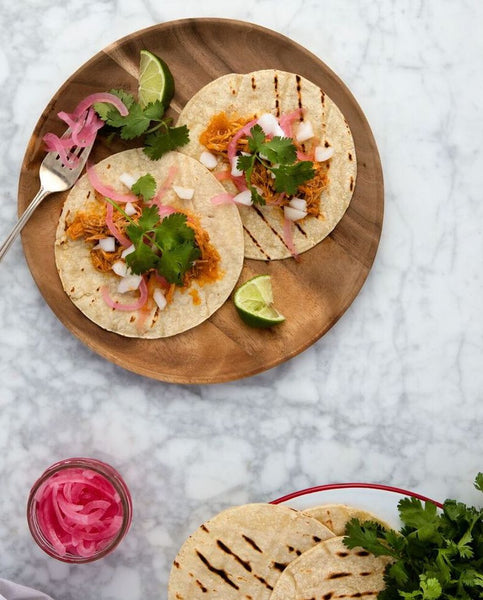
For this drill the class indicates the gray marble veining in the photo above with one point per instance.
(392, 394)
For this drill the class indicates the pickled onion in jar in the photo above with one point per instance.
(79, 512)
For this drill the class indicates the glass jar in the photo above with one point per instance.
(79, 510)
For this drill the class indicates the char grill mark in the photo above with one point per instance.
(252, 543)
(277, 99)
(327, 596)
(254, 83)
(205, 528)
(274, 231)
(245, 564)
(201, 586)
(255, 241)
(342, 554)
(264, 582)
(338, 575)
(298, 80)
(362, 553)
(351, 185)
(299, 227)
(279, 566)
(220, 572)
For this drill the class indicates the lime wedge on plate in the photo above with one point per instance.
(254, 302)
(155, 80)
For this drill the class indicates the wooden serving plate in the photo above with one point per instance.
(312, 293)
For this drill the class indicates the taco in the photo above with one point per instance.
(240, 552)
(289, 198)
(152, 262)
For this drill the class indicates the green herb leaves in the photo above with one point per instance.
(436, 555)
(167, 246)
(279, 156)
(159, 136)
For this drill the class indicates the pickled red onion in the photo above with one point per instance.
(165, 186)
(106, 190)
(123, 240)
(143, 296)
(85, 527)
(245, 130)
(84, 124)
(287, 120)
(288, 237)
(100, 97)
(223, 198)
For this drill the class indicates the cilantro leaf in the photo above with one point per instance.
(142, 259)
(245, 162)
(437, 555)
(168, 246)
(479, 482)
(279, 150)
(278, 155)
(174, 262)
(104, 109)
(155, 110)
(174, 231)
(145, 187)
(369, 535)
(160, 142)
(289, 177)
(146, 223)
(256, 138)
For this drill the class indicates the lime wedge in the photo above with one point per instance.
(254, 302)
(155, 80)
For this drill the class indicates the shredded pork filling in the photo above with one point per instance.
(90, 225)
(216, 138)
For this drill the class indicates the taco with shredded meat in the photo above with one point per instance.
(140, 248)
(284, 153)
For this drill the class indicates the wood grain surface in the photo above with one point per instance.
(312, 293)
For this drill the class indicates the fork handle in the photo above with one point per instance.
(23, 219)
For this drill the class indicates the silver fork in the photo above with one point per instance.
(54, 177)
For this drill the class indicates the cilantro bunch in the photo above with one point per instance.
(167, 246)
(436, 555)
(158, 135)
(279, 156)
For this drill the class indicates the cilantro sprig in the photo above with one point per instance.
(435, 556)
(167, 246)
(150, 123)
(279, 156)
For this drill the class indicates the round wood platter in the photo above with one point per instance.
(312, 293)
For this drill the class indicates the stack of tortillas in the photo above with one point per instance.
(273, 552)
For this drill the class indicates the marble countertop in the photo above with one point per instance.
(391, 394)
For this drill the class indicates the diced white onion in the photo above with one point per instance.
(127, 251)
(298, 203)
(183, 192)
(159, 298)
(322, 153)
(130, 209)
(270, 125)
(235, 171)
(293, 214)
(244, 197)
(127, 179)
(129, 283)
(120, 268)
(108, 244)
(208, 159)
(305, 131)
